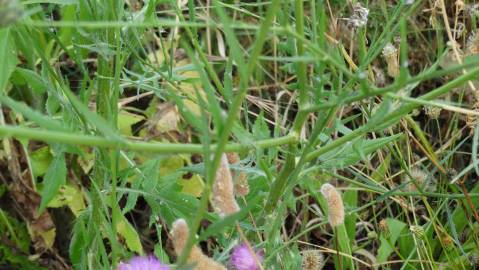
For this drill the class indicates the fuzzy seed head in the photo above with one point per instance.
(312, 259)
(179, 233)
(241, 186)
(419, 178)
(335, 204)
(223, 199)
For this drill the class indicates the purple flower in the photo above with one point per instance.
(143, 263)
(243, 259)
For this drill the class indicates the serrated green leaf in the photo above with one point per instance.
(8, 56)
(353, 152)
(36, 83)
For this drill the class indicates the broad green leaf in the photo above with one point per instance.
(128, 232)
(388, 240)
(8, 56)
(350, 198)
(54, 178)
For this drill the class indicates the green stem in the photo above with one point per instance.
(8, 131)
(280, 183)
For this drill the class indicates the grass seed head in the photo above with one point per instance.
(223, 198)
(241, 186)
(179, 233)
(418, 231)
(335, 204)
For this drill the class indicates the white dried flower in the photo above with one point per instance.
(432, 111)
(472, 45)
(390, 54)
(460, 27)
(10, 12)
(359, 17)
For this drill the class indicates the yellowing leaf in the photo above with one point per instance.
(40, 160)
(132, 240)
(171, 164)
(193, 186)
(70, 196)
(126, 120)
(189, 86)
(168, 121)
(47, 236)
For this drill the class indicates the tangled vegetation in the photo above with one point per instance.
(157, 134)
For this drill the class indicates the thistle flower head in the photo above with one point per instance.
(243, 259)
(335, 204)
(10, 11)
(312, 259)
(143, 263)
